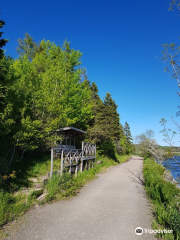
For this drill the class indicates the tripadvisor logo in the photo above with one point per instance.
(139, 231)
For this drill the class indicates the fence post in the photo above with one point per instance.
(76, 171)
(81, 165)
(82, 145)
(62, 162)
(70, 162)
(51, 172)
(76, 160)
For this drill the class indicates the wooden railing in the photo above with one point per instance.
(89, 149)
(75, 159)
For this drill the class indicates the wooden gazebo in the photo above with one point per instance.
(72, 158)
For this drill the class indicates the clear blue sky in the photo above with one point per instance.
(119, 41)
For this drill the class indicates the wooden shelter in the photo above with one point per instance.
(72, 158)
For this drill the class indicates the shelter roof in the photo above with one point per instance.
(71, 131)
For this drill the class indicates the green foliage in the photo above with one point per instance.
(53, 96)
(4, 69)
(13, 206)
(2, 41)
(27, 47)
(107, 148)
(164, 195)
(127, 133)
(111, 123)
(104, 127)
(46, 89)
(105, 124)
(43, 93)
(122, 158)
(129, 139)
(121, 144)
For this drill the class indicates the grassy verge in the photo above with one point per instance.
(58, 187)
(166, 200)
(122, 159)
(13, 206)
(67, 185)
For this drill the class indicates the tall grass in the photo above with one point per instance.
(66, 185)
(165, 197)
(12, 206)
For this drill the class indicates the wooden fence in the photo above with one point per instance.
(74, 159)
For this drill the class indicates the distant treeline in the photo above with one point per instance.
(173, 149)
(45, 89)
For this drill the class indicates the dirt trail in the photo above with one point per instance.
(110, 207)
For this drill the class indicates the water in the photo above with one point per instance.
(173, 164)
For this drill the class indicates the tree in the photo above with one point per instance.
(27, 47)
(148, 147)
(96, 131)
(2, 41)
(121, 144)
(5, 81)
(48, 94)
(112, 117)
(3, 64)
(171, 58)
(127, 133)
(128, 138)
(175, 5)
(104, 127)
(171, 51)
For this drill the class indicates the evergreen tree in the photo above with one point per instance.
(4, 69)
(96, 131)
(121, 144)
(104, 127)
(105, 124)
(27, 47)
(112, 118)
(128, 138)
(2, 41)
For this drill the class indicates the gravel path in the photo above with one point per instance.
(110, 207)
